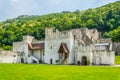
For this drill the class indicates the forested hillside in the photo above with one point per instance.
(106, 19)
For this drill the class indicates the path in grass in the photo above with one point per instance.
(57, 72)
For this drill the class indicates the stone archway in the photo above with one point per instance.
(51, 61)
(22, 60)
(84, 60)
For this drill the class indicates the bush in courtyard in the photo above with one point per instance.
(57, 61)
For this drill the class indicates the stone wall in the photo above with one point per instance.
(18, 47)
(53, 40)
(22, 48)
(51, 33)
(39, 54)
(52, 47)
(103, 58)
(116, 48)
(84, 51)
(80, 43)
(8, 57)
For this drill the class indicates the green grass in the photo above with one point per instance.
(117, 59)
(57, 72)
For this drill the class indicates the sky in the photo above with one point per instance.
(14, 8)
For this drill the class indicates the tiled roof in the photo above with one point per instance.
(37, 46)
(63, 48)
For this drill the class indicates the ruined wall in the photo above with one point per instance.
(53, 41)
(72, 38)
(116, 48)
(88, 36)
(94, 34)
(18, 47)
(22, 47)
(8, 57)
(80, 42)
(103, 57)
(83, 43)
(83, 50)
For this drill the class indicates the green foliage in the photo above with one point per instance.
(104, 19)
(57, 61)
(7, 48)
(115, 35)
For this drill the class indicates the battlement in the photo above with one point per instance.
(52, 33)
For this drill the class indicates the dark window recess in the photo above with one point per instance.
(43, 52)
(51, 61)
(14, 55)
(93, 31)
(50, 47)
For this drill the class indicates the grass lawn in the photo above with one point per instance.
(117, 59)
(57, 72)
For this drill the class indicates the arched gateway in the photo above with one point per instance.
(84, 60)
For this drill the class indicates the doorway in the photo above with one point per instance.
(84, 60)
(51, 61)
(22, 60)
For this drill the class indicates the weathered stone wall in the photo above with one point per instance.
(52, 33)
(103, 57)
(53, 41)
(18, 47)
(39, 54)
(22, 47)
(80, 43)
(82, 50)
(52, 47)
(116, 48)
(8, 57)
(94, 34)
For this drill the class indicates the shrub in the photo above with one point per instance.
(78, 62)
(7, 47)
(57, 61)
(40, 61)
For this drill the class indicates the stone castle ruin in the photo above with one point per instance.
(77, 46)
(8, 57)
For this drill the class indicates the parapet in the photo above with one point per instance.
(52, 33)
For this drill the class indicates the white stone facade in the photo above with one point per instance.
(26, 54)
(8, 57)
(76, 46)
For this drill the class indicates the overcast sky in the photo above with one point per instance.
(13, 8)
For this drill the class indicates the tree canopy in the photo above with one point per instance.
(105, 19)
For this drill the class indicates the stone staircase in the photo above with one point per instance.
(34, 59)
